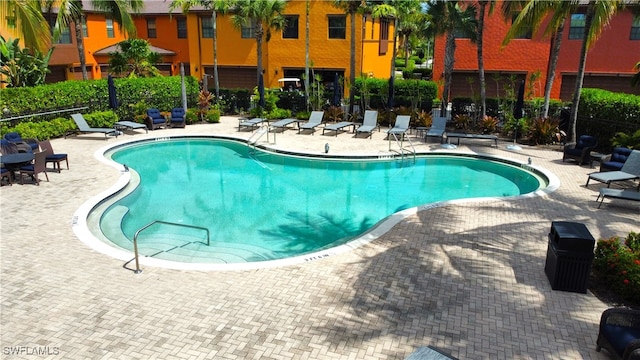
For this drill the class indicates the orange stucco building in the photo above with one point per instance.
(610, 62)
(186, 39)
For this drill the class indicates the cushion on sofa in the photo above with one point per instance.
(620, 336)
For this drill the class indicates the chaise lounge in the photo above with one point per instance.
(369, 123)
(629, 171)
(84, 128)
(314, 121)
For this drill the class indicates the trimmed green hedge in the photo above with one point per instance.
(405, 92)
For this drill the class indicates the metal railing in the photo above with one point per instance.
(135, 238)
(401, 149)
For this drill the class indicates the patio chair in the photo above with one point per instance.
(52, 157)
(315, 119)
(155, 120)
(84, 128)
(401, 125)
(616, 160)
(437, 129)
(27, 144)
(629, 171)
(178, 118)
(284, 123)
(580, 150)
(5, 174)
(619, 333)
(38, 166)
(369, 123)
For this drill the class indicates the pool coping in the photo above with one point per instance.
(80, 217)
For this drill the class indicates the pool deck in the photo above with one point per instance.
(467, 278)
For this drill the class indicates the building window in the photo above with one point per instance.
(151, 28)
(337, 26)
(65, 33)
(85, 31)
(248, 31)
(207, 27)
(291, 28)
(576, 31)
(635, 28)
(182, 28)
(110, 33)
(11, 22)
(526, 32)
(384, 36)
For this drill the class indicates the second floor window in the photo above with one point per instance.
(635, 28)
(65, 33)
(151, 28)
(248, 31)
(525, 33)
(207, 27)
(576, 31)
(182, 28)
(85, 31)
(337, 26)
(291, 28)
(110, 33)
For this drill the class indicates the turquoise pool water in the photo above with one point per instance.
(264, 206)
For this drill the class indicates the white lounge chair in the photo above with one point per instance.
(84, 128)
(315, 119)
(284, 123)
(369, 123)
(252, 124)
(401, 126)
(121, 125)
(617, 194)
(629, 171)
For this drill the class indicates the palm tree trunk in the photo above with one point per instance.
(551, 72)
(450, 49)
(483, 89)
(259, 33)
(80, 43)
(352, 65)
(306, 56)
(580, 76)
(214, 17)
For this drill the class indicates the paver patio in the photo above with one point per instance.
(466, 278)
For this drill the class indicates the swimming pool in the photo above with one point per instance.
(260, 207)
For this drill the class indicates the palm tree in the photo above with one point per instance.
(306, 54)
(264, 15)
(482, 7)
(635, 80)
(598, 15)
(71, 11)
(449, 17)
(216, 6)
(30, 24)
(532, 13)
(351, 7)
(135, 59)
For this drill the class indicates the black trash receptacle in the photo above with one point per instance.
(569, 256)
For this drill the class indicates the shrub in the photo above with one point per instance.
(278, 114)
(192, 116)
(212, 116)
(543, 131)
(618, 264)
(488, 125)
(462, 121)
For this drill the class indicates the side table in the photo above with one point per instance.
(597, 157)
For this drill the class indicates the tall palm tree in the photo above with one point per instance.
(531, 15)
(597, 16)
(71, 11)
(307, 46)
(635, 80)
(351, 7)
(265, 15)
(482, 9)
(449, 17)
(216, 6)
(30, 24)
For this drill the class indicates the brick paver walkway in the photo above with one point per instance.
(467, 278)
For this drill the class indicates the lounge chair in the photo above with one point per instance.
(132, 125)
(284, 123)
(629, 171)
(401, 125)
(178, 118)
(252, 124)
(437, 129)
(458, 136)
(581, 150)
(369, 123)
(314, 121)
(155, 119)
(337, 127)
(52, 157)
(619, 333)
(84, 128)
(617, 194)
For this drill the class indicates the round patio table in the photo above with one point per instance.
(15, 161)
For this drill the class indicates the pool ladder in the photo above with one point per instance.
(135, 239)
(403, 151)
(253, 140)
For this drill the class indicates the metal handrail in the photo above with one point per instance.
(401, 146)
(135, 237)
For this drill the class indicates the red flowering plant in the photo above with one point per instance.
(617, 263)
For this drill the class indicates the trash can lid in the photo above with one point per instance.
(567, 229)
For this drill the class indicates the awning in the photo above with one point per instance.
(115, 48)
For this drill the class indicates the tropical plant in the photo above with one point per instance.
(135, 59)
(216, 6)
(631, 141)
(22, 67)
(29, 22)
(334, 113)
(450, 19)
(617, 264)
(262, 16)
(635, 80)
(462, 121)
(488, 125)
(543, 130)
(423, 118)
